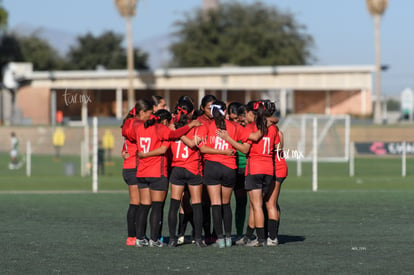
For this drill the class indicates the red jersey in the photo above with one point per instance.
(260, 157)
(204, 120)
(236, 132)
(129, 146)
(183, 156)
(281, 169)
(149, 139)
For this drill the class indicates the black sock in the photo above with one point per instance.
(155, 219)
(227, 219)
(181, 225)
(198, 220)
(260, 234)
(266, 215)
(240, 214)
(131, 215)
(249, 232)
(277, 227)
(271, 229)
(161, 220)
(206, 219)
(142, 220)
(189, 218)
(172, 217)
(217, 220)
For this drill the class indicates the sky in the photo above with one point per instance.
(343, 31)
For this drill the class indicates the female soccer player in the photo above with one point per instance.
(259, 169)
(152, 171)
(220, 170)
(158, 103)
(236, 112)
(186, 171)
(140, 112)
(281, 172)
(204, 116)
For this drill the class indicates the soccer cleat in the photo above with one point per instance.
(228, 242)
(210, 240)
(141, 243)
(220, 243)
(180, 240)
(172, 243)
(200, 243)
(256, 243)
(131, 241)
(244, 240)
(156, 243)
(271, 242)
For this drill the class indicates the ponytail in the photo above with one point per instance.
(182, 112)
(259, 110)
(217, 112)
(131, 114)
(158, 117)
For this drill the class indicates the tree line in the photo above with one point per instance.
(233, 34)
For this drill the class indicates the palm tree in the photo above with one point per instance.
(377, 9)
(127, 9)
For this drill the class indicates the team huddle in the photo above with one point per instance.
(203, 156)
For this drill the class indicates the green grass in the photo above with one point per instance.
(352, 225)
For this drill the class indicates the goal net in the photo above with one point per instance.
(332, 137)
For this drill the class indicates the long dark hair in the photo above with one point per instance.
(259, 111)
(270, 107)
(217, 112)
(140, 105)
(156, 99)
(182, 111)
(158, 117)
(204, 101)
(233, 108)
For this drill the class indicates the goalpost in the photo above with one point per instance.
(316, 138)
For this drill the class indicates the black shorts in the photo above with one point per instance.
(159, 184)
(280, 180)
(216, 173)
(240, 179)
(183, 177)
(130, 176)
(259, 181)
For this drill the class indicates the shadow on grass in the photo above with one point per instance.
(290, 239)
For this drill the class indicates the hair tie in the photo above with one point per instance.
(212, 106)
(132, 112)
(154, 117)
(257, 105)
(180, 110)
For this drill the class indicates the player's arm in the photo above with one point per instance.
(176, 134)
(208, 150)
(124, 152)
(242, 147)
(272, 120)
(156, 152)
(191, 143)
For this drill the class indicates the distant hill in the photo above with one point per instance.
(156, 47)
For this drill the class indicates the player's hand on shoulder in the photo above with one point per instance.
(194, 123)
(223, 134)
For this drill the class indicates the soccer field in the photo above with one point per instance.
(357, 225)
